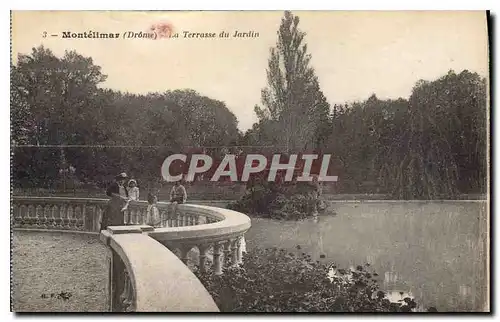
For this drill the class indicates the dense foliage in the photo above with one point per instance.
(431, 145)
(274, 280)
(279, 200)
(57, 101)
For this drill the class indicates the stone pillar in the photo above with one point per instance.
(218, 258)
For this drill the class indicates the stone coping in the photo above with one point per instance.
(161, 281)
(232, 224)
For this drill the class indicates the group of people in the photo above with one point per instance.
(124, 190)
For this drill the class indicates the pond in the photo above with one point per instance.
(431, 250)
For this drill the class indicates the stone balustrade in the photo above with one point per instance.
(144, 276)
(144, 273)
(223, 236)
(77, 214)
(85, 214)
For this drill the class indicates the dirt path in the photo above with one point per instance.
(58, 272)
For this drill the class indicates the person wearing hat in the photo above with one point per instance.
(113, 213)
(118, 187)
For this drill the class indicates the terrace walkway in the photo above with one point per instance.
(147, 268)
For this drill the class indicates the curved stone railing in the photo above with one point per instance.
(147, 277)
(85, 214)
(144, 275)
(223, 236)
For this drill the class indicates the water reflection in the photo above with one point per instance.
(429, 250)
(393, 295)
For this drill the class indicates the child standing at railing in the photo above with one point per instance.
(152, 213)
(133, 190)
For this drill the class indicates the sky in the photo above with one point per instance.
(354, 53)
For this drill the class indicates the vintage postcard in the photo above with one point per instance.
(250, 161)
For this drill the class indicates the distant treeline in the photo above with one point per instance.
(431, 145)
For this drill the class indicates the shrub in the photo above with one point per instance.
(275, 200)
(274, 280)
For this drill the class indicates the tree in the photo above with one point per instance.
(295, 111)
(52, 104)
(445, 142)
(57, 101)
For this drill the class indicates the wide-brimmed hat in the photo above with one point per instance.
(122, 175)
(132, 180)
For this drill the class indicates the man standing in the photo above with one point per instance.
(113, 213)
(178, 193)
(118, 187)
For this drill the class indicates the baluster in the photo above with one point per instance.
(77, 221)
(184, 253)
(25, 215)
(135, 215)
(97, 217)
(126, 217)
(203, 257)
(15, 215)
(51, 218)
(131, 216)
(242, 248)
(14, 209)
(178, 222)
(163, 219)
(126, 295)
(45, 220)
(31, 215)
(138, 214)
(180, 219)
(70, 214)
(140, 220)
(217, 258)
(64, 215)
(197, 220)
(171, 216)
(58, 221)
(37, 216)
(22, 215)
(142, 216)
(168, 222)
(227, 251)
(84, 218)
(235, 251)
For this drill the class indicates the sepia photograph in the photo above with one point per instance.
(250, 161)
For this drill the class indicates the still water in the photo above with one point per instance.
(434, 252)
